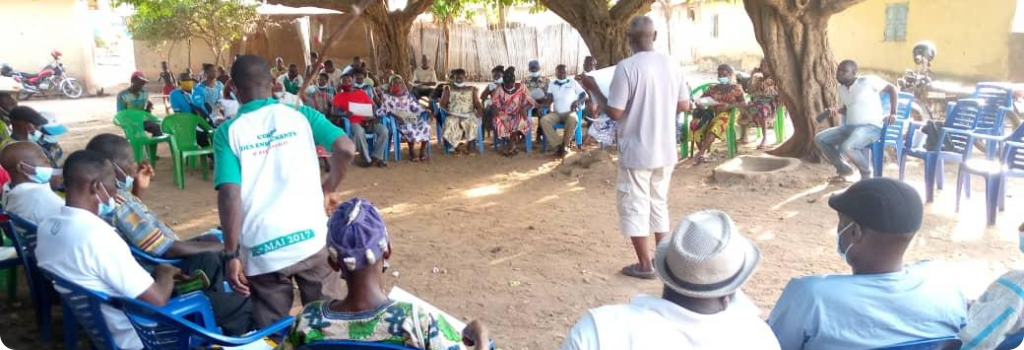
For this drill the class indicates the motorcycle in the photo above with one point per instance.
(919, 82)
(51, 80)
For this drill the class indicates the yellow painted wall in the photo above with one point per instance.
(971, 36)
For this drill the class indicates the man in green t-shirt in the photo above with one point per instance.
(268, 184)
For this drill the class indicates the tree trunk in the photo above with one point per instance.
(392, 39)
(794, 37)
(603, 29)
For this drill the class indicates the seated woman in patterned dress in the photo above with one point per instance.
(719, 101)
(511, 102)
(408, 114)
(763, 101)
(358, 246)
(464, 110)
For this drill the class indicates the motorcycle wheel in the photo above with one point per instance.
(71, 88)
(24, 95)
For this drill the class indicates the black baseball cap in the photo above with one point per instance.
(28, 115)
(881, 204)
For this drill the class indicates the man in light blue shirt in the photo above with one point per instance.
(883, 302)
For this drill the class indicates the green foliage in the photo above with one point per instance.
(217, 22)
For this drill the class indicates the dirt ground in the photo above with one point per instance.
(527, 246)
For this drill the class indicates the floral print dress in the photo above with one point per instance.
(407, 112)
(763, 96)
(510, 116)
(724, 94)
(394, 322)
(461, 124)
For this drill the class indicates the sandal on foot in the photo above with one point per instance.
(634, 271)
(838, 179)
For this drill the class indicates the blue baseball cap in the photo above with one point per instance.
(356, 235)
(534, 64)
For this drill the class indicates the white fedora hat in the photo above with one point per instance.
(706, 257)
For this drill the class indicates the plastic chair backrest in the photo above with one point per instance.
(352, 345)
(160, 329)
(131, 120)
(25, 234)
(893, 133)
(85, 305)
(998, 94)
(963, 116)
(945, 343)
(1013, 153)
(182, 128)
(700, 89)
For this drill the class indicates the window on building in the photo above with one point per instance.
(896, 21)
(714, 26)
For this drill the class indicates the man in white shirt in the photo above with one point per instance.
(29, 195)
(703, 265)
(80, 247)
(270, 196)
(333, 74)
(565, 95)
(646, 94)
(424, 78)
(863, 119)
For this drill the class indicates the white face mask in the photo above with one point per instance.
(460, 84)
(535, 74)
(839, 245)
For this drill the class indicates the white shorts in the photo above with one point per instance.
(643, 200)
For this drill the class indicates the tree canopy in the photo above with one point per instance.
(216, 22)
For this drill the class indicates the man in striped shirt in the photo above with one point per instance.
(999, 313)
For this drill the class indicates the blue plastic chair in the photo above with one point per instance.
(162, 329)
(578, 131)
(529, 131)
(82, 308)
(10, 265)
(388, 123)
(442, 115)
(995, 172)
(961, 121)
(945, 343)
(892, 134)
(1012, 341)
(23, 234)
(146, 259)
(398, 137)
(994, 93)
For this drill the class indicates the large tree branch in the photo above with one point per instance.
(836, 6)
(630, 8)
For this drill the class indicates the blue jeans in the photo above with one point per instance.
(850, 141)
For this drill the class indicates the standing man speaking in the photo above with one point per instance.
(269, 194)
(647, 92)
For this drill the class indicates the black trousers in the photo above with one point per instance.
(232, 311)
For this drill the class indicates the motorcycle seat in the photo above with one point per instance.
(28, 75)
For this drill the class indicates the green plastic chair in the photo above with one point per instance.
(143, 145)
(780, 124)
(686, 147)
(185, 151)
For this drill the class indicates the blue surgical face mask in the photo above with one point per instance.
(723, 80)
(499, 80)
(460, 84)
(125, 185)
(106, 208)
(42, 174)
(359, 85)
(35, 136)
(839, 243)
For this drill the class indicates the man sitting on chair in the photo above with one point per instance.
(565, 95)
(141, 228)
(862, 116)
(29, 195)
(78, 246)
(883, 302)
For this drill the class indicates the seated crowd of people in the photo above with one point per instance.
(99, 214)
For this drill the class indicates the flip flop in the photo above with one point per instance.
(635, 272)
(838, 179)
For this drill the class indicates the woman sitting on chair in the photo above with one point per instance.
(464, 110)
(407, 111)
(511, 101)
(716, 103)
(763, 100)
